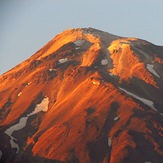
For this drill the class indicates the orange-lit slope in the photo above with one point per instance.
(83, 130)
(104, 101)
(127, 64)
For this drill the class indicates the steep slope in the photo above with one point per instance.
(86, 96)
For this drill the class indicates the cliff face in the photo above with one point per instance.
(86, 96)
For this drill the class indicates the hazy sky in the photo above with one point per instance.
(27, 25)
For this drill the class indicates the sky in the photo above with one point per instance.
(27, 25)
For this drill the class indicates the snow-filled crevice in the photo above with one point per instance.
(143, 100)
(109, 142)
(150, 68)
(43, 106)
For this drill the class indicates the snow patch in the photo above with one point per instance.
(51, 69)
(116, 118)
(109, 142)
(143, 100)
(104, 62)
(110, 74)
(150, 68)
(96, 82)
(21, 124)
(43, 106)
(19, 94)
(77, 48)
(79, 42)
(29, 83)
(63, 60)
(13, 144)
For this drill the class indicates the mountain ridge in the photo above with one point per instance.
(103, 95)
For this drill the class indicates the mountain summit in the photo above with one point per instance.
(86, 96)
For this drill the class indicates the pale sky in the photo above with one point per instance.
(27, 25)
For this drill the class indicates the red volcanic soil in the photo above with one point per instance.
(87, 96)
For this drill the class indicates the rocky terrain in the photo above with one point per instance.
(87, 96)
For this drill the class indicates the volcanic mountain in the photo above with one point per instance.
(87, 96)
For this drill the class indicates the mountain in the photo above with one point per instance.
(86, 96)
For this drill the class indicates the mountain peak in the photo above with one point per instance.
(101, 49)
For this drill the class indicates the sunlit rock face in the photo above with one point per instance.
(86, 96)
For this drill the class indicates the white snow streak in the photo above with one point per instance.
(109, 142)
(143, 100)
(150, 68)
(16, 127)
(21, 124)
(63, 60)
(13, 144)
(51, 69)
(43, 106)
(19, 94)
(116, 118)
(104, 62)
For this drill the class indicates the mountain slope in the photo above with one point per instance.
(86, 96)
